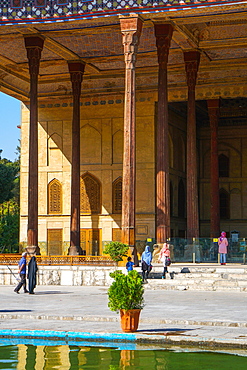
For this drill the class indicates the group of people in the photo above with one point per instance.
(165, 258)
(146, 262)
(31, 274)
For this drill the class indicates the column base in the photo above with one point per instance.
(74, 251)
(32, 250)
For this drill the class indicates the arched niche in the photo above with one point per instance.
(54, 197)
(117, 147)
(90, 194)
(91, 145)
(54, 149)
(117, 195)
(224, 204)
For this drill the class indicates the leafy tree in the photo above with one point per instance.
(116, 250)
(9, 204)
(9, 172)
(9, 227)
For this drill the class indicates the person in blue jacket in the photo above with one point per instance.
(146, 260)
(129, 264)
(22, 271)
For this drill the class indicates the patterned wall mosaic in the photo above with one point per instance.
(19, 11)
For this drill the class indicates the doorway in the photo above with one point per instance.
(90, 242)
(54, 242)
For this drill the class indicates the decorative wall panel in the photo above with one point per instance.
(90, 194)
(15, 11)
(54, 197)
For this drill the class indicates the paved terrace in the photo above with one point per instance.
(216, 319)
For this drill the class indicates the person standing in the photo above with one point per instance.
(164, 257)
(146, 260)
(223, 244)
(32, 274)
(22, 272)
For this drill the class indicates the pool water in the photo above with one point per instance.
(75, 357)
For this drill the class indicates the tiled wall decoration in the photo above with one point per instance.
(20, 11)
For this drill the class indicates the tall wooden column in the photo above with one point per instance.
(163, 34)
(213, 112)
(131, 27)
(34, 47)
(192, 60)
(76, 70)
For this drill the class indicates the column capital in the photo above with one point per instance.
(131, 27)
(76, 70)
(163, 34)
(34, 46)
(192, 61)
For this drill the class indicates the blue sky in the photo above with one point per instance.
(10, 117)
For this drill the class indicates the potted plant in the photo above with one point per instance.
(116, 250)
(126, 295)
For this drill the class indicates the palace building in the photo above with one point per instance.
(134, 119)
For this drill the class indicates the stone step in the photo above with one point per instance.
(195, 284)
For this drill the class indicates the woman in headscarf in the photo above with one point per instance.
(32, 274)
(223, 244)
(165, 258)
(146, 260)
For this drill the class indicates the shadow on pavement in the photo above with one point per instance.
(166, 331)
(15, 310)
(51, 292)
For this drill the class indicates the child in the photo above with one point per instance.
(129, 264)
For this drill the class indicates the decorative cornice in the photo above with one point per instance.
(33, 11)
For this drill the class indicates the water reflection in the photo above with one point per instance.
(74, 357)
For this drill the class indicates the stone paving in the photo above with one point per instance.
(172, 317)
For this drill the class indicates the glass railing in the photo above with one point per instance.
(201, 250)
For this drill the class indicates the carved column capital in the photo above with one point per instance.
(34, 47)
(192, 61)
(131, 28)
(76, 70)
(163, 34)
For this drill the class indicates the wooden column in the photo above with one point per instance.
(163, 34)
(76, 70)
(213, 112)
(34, 47)
(131, 27)
(192, 60)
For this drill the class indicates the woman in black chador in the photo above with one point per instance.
(32, 274)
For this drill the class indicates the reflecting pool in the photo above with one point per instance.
(74, 356)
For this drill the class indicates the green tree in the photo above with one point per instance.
(9, 174)
(116, 250)
(9, 227)
(9, 203)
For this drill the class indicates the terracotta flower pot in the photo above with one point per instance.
(130, 320)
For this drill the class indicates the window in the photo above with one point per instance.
(223, 166)
(117, 195)
(54, 197)
(90, 194)
(224, 204)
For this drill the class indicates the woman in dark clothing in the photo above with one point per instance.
(32, 274)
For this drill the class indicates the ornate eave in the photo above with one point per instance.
(217, 29)
(42, 11)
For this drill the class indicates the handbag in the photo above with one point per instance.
(168, 261)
